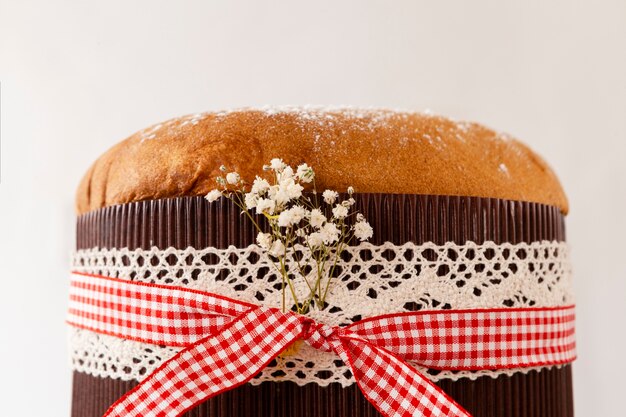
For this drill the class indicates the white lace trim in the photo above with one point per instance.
(373, 280)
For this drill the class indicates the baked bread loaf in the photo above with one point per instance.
(375, 151)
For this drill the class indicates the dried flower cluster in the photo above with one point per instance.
(297, 222)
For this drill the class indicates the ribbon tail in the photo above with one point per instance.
(212, 365)
(393, 386)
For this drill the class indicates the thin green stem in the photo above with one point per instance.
(289, 244)
(338, 253)
(303, 273)
(315, 193)
(312, 290)
(244, 209)
(289, 284)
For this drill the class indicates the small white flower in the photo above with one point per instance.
(222, 168)
(340, 211)
(292, 189)
(265, 205)
(232, 178)
(315, 240)
(330, 233)
(350, 190)
(301, 232)
(363, 230)
(360, 217)
(285, 191)
(285, 219)
(271, 192)
(277, 249)
(260, 185)
(330, 196)
(264, 240)
(280, 196)
(250, 199)
(349, 202)
(317, 218)
(286, 173)
(305, 173)
(220, 180)
(291, 216)
(213, 195)
(277, 164)
(298, 213)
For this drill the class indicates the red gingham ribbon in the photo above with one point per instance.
(227, 342)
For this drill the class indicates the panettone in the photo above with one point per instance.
(462, 218)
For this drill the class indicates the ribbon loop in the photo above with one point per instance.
(204, 369)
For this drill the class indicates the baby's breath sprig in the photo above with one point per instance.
(296, 222)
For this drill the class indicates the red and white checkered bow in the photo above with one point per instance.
(227, 342)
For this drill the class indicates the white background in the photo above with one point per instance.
(79, 76)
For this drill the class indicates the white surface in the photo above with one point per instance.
(78, 77)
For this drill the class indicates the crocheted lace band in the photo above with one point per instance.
(375, 280)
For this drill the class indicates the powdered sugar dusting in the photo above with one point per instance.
(463, 126)
(319, 120)
(503, 168)
(150, 133)
(172, 124)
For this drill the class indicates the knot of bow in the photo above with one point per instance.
(321, 336)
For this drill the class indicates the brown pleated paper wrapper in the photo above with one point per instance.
(192, 221)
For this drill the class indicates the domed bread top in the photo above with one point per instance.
(375, 151)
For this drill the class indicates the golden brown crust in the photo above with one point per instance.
(372, 150)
